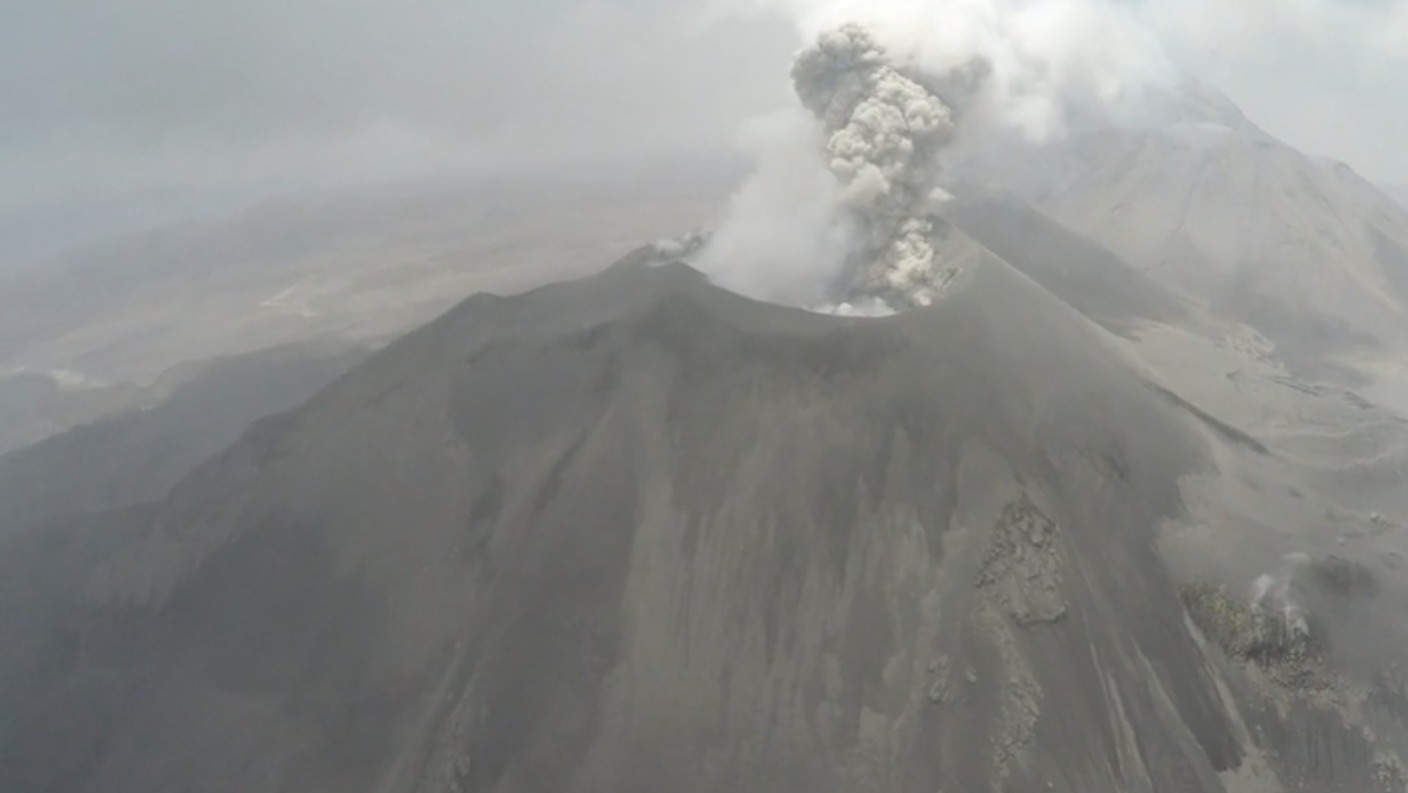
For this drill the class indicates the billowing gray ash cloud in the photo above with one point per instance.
(882, 135)
(842, 207)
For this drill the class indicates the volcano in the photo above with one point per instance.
(637, 533)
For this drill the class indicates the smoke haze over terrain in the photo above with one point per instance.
(112, 99)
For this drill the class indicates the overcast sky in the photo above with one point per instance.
(100, 98)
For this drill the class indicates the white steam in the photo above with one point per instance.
(1276, 594)
(784, 237)
(1043, 61)
(870, 307)
(844, 208)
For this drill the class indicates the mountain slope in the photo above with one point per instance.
(1085, 276)
(635, 533)
(1305, 250)
(35, 405)
(1398, 193)
(137, 455)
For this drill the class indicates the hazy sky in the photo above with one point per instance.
(116, 93)
(1325, 75)
(102, 97)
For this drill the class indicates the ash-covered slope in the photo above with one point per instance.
(137, 455)
(1306, 250)
(1084, 275)
(635, 534)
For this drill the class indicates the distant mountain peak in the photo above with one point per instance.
(1196, 102)
(1197, 196)
(1158, 108)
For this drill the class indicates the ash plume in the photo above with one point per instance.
(843, 206)
(883, 132)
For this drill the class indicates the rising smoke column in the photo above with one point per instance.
(841, 209)
(1276, 594)
(883, 132)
